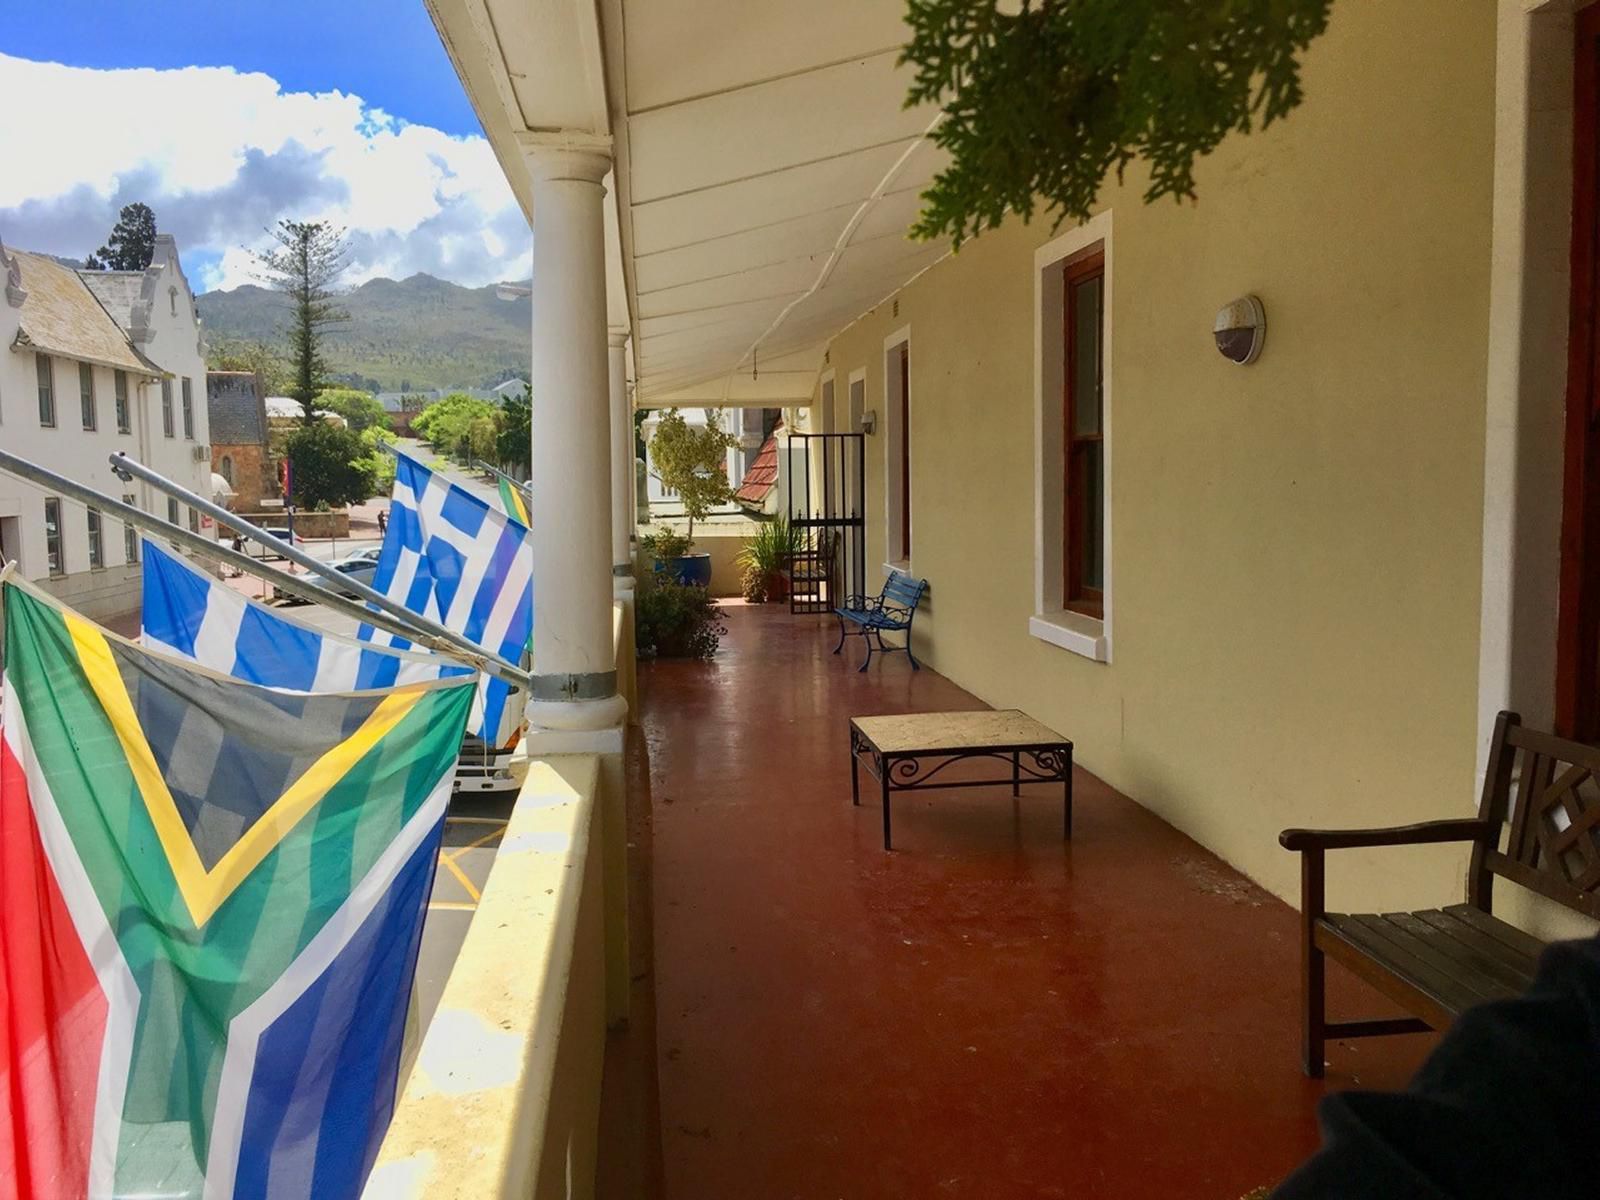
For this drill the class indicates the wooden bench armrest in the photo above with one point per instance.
(1460, 829)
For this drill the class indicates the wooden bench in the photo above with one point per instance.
(1438, 962)
(894, 608)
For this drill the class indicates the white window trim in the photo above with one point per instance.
(1051, 622)
(895, 554)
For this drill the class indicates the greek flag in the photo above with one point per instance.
(457, 560)
(189, 614)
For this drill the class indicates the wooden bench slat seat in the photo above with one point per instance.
(1443, 975)
(1538, 825)
(892, 609)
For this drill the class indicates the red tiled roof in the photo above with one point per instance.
(762, 476)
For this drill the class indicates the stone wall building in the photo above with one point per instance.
(239, 450)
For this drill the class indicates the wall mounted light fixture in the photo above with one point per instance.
(869, 421)
(1240, 329)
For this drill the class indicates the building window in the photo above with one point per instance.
(1073, 447)
(130, 534)
(188, 409)
(166, 407)
(86, 395)
(47, 392)
(194, 520)
(1082, 371)
(227, 468)
(172, 510)
(55, 552)
(897, 445)
(97, 553)
(124, 416)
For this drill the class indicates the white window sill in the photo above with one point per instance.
(1072, 631)
(903, 566)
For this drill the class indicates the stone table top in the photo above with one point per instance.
(913, 733)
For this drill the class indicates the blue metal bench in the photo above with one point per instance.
(893, 609)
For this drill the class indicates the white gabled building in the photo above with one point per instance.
(95, 362)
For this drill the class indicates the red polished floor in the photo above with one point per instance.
(984, 1012)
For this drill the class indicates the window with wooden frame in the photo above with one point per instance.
(130, 533)
(124, 416)
(47, 392)
(97, 552)
(1083, 426)
(55, 551)
(904, 400)
(1578, 618)
(86, 401)
(166, 407)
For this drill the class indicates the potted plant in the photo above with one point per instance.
(691, 460)
(765, 562)
(669, 550)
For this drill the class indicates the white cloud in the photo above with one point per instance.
(219, 154)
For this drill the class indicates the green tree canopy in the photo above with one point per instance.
(305, 266)
(330, 466)
(361, 410)
(1041, 104)
(132, 242)
(445, 423)
(235, 355)
(692, 460)
(514, 443)
(379, 461)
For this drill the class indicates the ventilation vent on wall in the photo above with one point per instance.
(897, 306)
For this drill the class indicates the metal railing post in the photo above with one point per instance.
(494, 662)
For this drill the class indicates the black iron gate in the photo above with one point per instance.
(825, 497)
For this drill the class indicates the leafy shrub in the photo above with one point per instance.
(330, 466)
(664, 544)
(764, 559)
(673, 620)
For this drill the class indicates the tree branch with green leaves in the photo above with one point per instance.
(1044, 101)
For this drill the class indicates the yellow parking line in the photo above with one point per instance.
(462, 877)
(455, 852)
(474, 821)
(454, 905)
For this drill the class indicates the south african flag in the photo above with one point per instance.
(211, 899)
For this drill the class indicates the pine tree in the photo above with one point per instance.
(132, 242)
(305, 266)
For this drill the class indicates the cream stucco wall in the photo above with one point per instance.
(1296, 545)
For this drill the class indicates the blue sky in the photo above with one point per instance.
(385, 51)
(226, 115)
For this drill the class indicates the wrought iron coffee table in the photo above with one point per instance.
(906, 751)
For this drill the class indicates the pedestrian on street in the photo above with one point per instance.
(383, 520)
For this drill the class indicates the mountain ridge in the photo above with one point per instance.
(412, 334)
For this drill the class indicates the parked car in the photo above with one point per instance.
(259, 550)
(359, 566)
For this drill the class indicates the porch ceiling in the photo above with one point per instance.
(765, 169)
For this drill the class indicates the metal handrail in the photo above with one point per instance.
(202, 545)
(526, 491)
(430, 632)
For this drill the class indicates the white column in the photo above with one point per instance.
(574, 666)
(622, 503)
